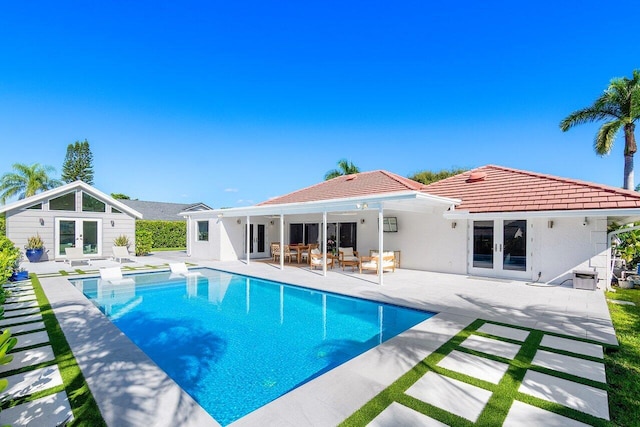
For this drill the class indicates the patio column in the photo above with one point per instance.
(248, 239)
(281, 241)
(380, 243)
(324, 246)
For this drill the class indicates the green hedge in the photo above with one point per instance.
(164, 234)
(3, 226)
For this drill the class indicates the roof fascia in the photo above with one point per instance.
(543, 214)
(72, 186)
(333, 205)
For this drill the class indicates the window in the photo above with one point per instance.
(91, 204)
(390, 224)
(116, 211)
(37, 207)
(203, 231)
(66, 202)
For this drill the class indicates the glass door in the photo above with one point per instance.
(499, 248)
(256, 239)
(76, 232)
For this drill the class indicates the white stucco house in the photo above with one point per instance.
(75, 214)
(492, 221)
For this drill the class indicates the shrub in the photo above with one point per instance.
(3, 226)
(165, 234)
(144, 242)
(9, 258)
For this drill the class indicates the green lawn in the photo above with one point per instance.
(85, 410)
(623, 364)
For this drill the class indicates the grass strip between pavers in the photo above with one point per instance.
(503, 393)
(84, 407)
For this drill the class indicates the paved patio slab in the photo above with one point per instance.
(459, 398)
(31, 382)
(26, 327)
(504, 331)
(521, 415)
(573, 346)
(20, 298)
(30, 357)
(22, 319)
(47, 411)
(21, 312)
(399, 415)
(19, 305)
(570, 365)
(491, 346)
(33, 338)
(474, 366)
(580, 397)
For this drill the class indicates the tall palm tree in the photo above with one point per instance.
(620, 106)
(345, 167)
(26, 181)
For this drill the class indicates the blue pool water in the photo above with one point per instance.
(235, 343)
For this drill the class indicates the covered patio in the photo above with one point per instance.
(370, 217)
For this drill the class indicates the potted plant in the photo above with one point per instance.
(18, 273)
(34, 248)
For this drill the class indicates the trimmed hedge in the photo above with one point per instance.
(164, 234)
(3, 226)
(9, 257)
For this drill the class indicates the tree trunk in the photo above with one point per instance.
(630, 149)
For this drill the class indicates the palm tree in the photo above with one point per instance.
(345, 167)
(620, 105)
(26, 181)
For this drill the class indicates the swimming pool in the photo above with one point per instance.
(235, 343)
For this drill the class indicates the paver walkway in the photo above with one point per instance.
(505, 374)
(33, 396)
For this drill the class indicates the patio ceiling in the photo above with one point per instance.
(406, 201)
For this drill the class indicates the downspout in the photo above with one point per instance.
(609, 239)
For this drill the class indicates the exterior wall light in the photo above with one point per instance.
(113, 223)
(41, 221)
(550, 223)
(454, 224)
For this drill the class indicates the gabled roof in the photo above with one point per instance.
(163, 211)
(63, 189)
(499, 189)
(347, 186)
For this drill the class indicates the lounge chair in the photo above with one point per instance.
(315, 259)
(120, 253)
(180, 269)
(114, 276)
(347, 256)
(75, 254)
(372, 262)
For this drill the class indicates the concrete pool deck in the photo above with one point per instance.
(132, 390)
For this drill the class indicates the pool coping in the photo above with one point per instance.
(131, 389)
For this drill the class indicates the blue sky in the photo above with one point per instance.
(231, 103)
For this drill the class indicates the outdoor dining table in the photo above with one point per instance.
(298, 248)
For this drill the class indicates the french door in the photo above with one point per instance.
(256, 240)
(499, 248)
(78, 232)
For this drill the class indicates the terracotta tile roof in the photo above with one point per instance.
(360, 184)
(499, 189)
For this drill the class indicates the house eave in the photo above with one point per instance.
(360, 203)
(629, 213)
